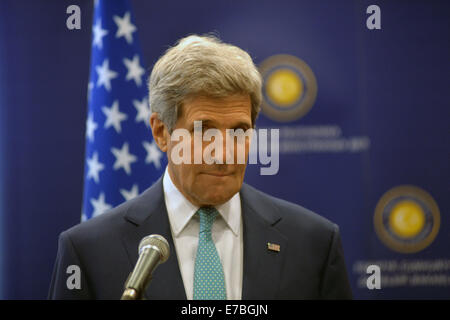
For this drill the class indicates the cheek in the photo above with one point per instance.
(188, 175)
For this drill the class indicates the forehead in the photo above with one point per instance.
(236, 107)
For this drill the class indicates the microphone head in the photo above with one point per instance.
(157, 241)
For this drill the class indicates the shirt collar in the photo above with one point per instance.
(181, 210)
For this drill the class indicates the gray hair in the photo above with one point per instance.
(201, 65)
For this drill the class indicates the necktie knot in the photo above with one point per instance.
(207, 216)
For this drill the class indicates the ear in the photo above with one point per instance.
(160, 133)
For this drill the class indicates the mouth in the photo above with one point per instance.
(218, 174)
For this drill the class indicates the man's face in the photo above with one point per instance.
(211, 184)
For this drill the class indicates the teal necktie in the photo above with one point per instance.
(209, 281)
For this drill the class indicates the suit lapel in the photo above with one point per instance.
(148, 215)
(262, 267)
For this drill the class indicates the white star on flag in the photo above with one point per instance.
(135, 71)
(114, 117)
(154, 155)
(99, 33)
(133, 193)
(124, 27)
(94, 167)
(124, 158)
(143, 111)
(100, 206)
(91, 126)
(105, 75)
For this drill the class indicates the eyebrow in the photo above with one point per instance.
(240, 124)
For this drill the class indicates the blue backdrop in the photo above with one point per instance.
(380, 121)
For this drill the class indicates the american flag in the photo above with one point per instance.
(122, 160)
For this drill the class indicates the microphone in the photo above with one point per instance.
(153, 250)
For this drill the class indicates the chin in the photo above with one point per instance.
(217, 195)
(216, 190)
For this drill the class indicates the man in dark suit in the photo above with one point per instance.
(227, 240)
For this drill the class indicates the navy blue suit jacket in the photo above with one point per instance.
(309, 265)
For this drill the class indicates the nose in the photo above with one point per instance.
(223, 154)
(235, 147)
(228, 147)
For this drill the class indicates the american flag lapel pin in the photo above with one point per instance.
(273, 247)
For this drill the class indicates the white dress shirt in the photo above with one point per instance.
(226, 234)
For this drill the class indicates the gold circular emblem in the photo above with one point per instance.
(407, 219)
(289, 87)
